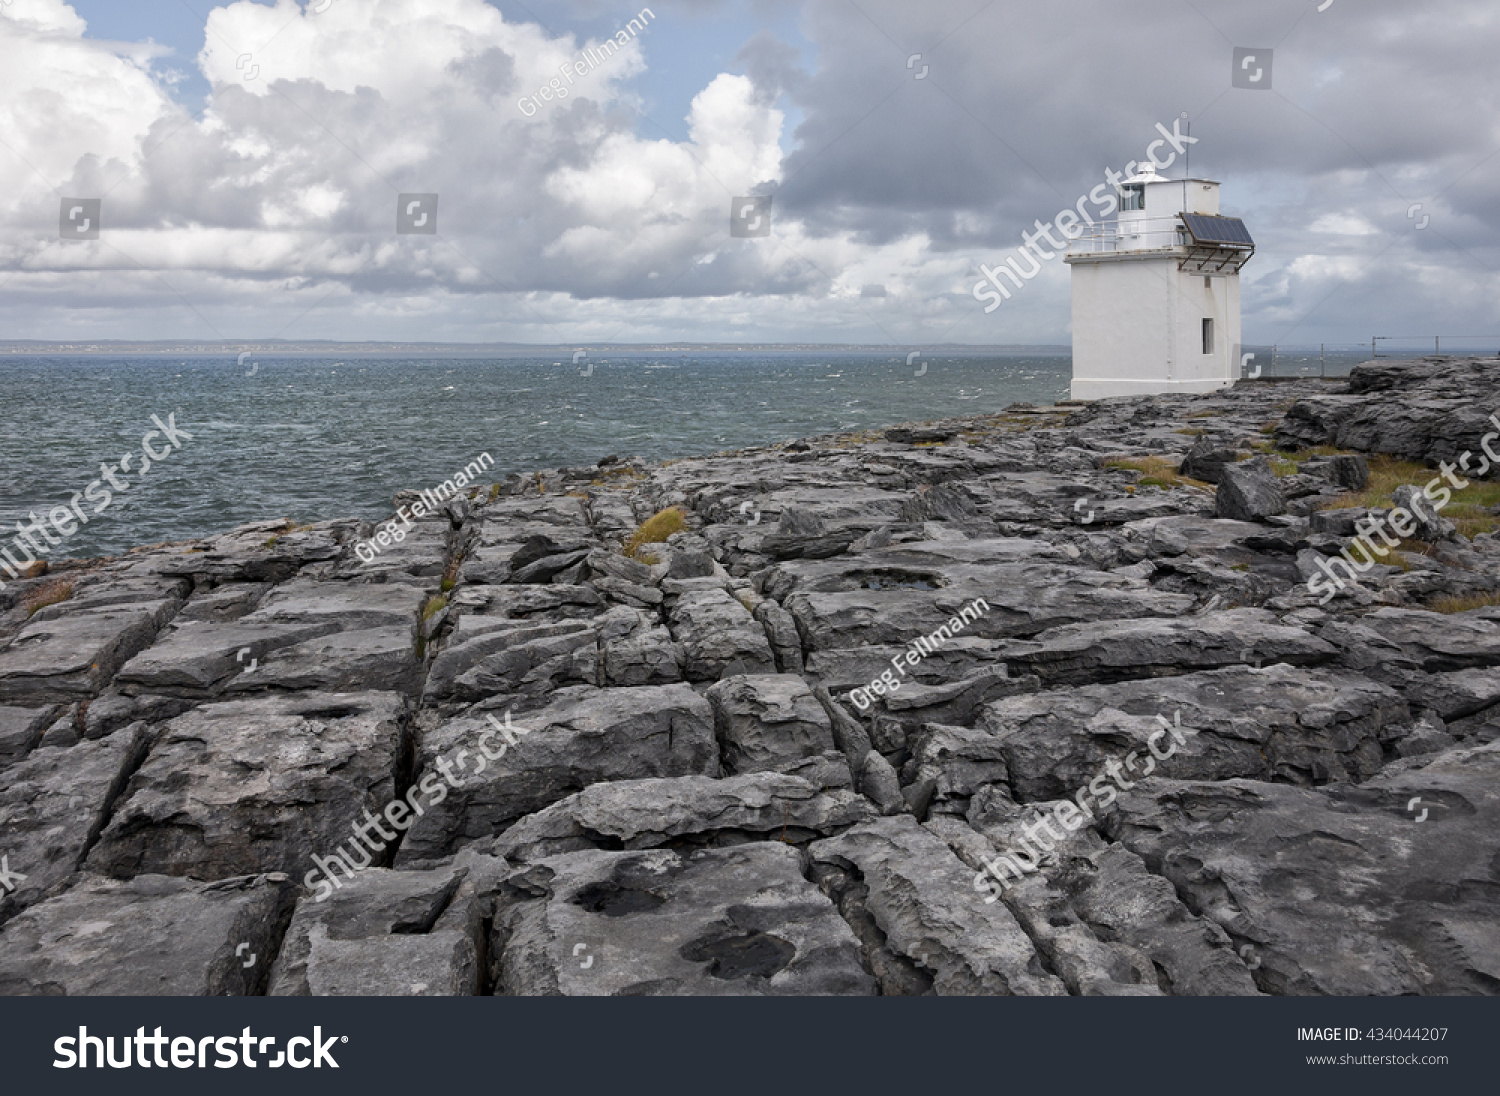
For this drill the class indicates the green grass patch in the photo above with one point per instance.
(1469, 510)
(1300, 455)
(1463, 604)
(655, 529)
(1156, 471)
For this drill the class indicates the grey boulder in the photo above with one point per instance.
(1249, 491)
(642, 814)
(768, 722)
(256, 785)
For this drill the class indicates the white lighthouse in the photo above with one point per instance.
(1156, 292)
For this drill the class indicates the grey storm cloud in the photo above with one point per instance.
(902, 144)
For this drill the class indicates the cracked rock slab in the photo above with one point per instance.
(642, 814)
(1089, 965)
(255, 785)
(1113, 892)
(768, 722)
(717, 633)
(1024, 599)
(53, 805)
(583, 737)
(714, 922)
(1340, 890)
(151, 936)
(73, 656)
(518, 659)
(1091, 653)
(1303, 726)
(263, 551)
(387, 933)
(959, 761)
(1438, 642)
(922, 898)
(305, 634)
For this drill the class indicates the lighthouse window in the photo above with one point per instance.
(1133, 196)
(1208, 335)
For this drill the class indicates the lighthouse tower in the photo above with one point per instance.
(1156, 292)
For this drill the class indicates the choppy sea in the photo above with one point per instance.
(309, 437)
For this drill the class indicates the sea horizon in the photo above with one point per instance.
(316, 436)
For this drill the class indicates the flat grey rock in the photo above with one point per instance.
(151, 936)
(584, 737)
(1383, 904)
(74, 655)
(766, 722)
(256, 785)
(53, 805)
(919, 894)
(388, 934)
(1436, 642)
(641, 814)
(713, 922)
(305, 634)
(1158, 647)
(1276, 723)
(1023, 599)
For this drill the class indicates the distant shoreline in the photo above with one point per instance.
(272, 347)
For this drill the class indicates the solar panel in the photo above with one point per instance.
(1217, 231)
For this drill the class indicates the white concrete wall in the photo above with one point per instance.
(1202, 197)
(1137, 328)
(1156, 225)
(1192, 302)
